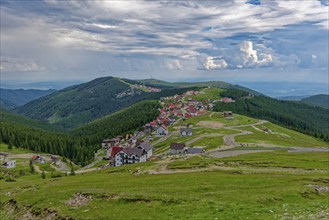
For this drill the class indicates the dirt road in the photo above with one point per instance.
(232, 153)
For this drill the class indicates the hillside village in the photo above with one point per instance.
(136, 148)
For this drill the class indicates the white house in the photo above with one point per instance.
(177, 148)
(9, 164)
(186, 132)
(129, 156)
(162, 131)
(147, 148)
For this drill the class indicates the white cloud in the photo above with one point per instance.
(9, 64)
(213, 63)
(250, 57)
(174, 65)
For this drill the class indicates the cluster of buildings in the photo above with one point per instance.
(226, 100)
(136, 90)
(129, 92)
(148, 88)
(136, 148)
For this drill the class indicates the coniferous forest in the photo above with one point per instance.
(80, 144)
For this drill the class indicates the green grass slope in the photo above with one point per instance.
(317, 100)
(264, 186)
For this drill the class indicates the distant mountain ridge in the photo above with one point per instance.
(292, 97)
(321, 100)
(6, 104)
(19, 97)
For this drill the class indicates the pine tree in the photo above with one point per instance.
(72, 172)
(32, 170)
(21, 172)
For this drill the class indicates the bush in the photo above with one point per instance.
(10, 179)
(43, 175)
(56, 174)
(22, 172)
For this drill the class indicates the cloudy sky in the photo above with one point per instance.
(277, 40)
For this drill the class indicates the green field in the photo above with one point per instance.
(209, 142)
(276, 185)
(14, 150)
(218, 117)
(207, 93)
(281, 137)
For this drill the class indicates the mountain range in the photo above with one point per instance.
(11, 98)
(82, 103)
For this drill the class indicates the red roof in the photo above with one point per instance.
(34, 157)
(153, 123)
(187, 115)
(115, 150)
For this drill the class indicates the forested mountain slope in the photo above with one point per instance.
(321, 100)
(13, 118)
(5, 104)
(126, 121)
(81, 144)
(22, 96)
(80, 104)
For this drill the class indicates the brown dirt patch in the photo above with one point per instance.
(79, 199)
(210, 124)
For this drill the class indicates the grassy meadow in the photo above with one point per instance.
(275, 185)
(281, 136)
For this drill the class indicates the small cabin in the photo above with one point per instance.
(227, 113)
(9, 164)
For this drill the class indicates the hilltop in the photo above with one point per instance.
(82, 103)
(215, 84)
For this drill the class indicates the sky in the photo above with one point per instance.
(233, 41)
